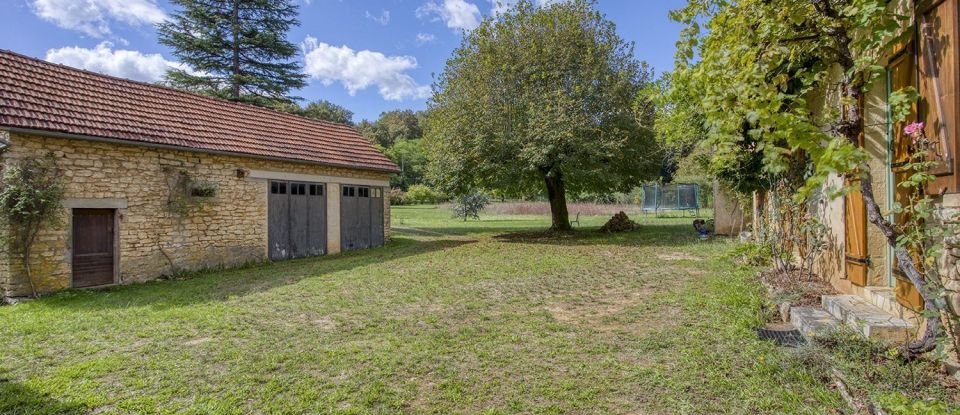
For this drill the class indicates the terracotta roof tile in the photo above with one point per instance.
(43, 96)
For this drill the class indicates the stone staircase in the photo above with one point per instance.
(876, 315)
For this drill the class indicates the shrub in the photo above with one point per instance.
(397, 196)
(419, 194)
(470, 205)
(751, 254)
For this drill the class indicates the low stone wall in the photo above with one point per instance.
(227, 230)
(949, 213)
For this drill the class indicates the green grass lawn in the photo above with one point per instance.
(450, 317)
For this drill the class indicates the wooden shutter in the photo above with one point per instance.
(938, 80)
(855, 237)
(903, 73)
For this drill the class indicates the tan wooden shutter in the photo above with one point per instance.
(938, 81)
(855, 237)
(903, 73)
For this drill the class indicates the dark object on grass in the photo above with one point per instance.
(786, 338)
(619, 223)
(704, 228)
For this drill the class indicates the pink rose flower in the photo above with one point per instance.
(914, 130)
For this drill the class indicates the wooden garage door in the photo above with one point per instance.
(361, 217)
(94, 247)
(297, 218)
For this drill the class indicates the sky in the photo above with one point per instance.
(368, 56)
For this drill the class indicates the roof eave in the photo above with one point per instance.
(59, 134)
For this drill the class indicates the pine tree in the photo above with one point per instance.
(235, 49)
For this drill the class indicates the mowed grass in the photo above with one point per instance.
(450, 317)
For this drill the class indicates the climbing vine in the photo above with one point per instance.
(186, 192)
(31, 197)
(782, 77)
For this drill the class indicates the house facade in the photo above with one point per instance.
(160, 181)
(858, 260)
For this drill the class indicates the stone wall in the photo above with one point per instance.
(949, 215)
(226, 230)
(728, 213)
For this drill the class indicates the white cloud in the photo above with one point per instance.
(457, 14)
(425, 38)
(93, 17)
(500, 6)
(383, 18)
(128, 64)
(359, 70)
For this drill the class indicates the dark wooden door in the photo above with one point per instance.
(317, 219)
(278, 221)
(94, 249)
(297, 220)
(363, 218)
(349, 219)
(299, 216)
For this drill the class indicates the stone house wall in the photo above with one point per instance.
(228, 230)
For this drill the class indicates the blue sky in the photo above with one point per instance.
(369, 56)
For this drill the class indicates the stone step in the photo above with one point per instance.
(813, 322)
(885, 299)
(867, 318)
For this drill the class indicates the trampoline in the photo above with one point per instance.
(684, 197)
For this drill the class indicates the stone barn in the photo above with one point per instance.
(160, 181)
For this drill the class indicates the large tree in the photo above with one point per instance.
(759, 69)
(392, 126)
(541, 98)
(409, 155)
(235, 49)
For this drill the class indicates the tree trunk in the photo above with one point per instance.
(905, 262)
(560, 219)
(235, 79)
(26, 249)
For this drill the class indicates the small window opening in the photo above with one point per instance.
(298, 189)
(278, 188)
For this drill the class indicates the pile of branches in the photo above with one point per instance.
(619, 223)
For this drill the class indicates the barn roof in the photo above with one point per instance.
(37, 95)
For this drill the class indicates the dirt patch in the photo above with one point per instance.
(325, 323)
(197, 341)
(678, 256)
(800, 289)
(611, 310)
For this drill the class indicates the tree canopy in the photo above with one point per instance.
(327, 111)
(235, 49)
(541, 98)
(392, 126)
